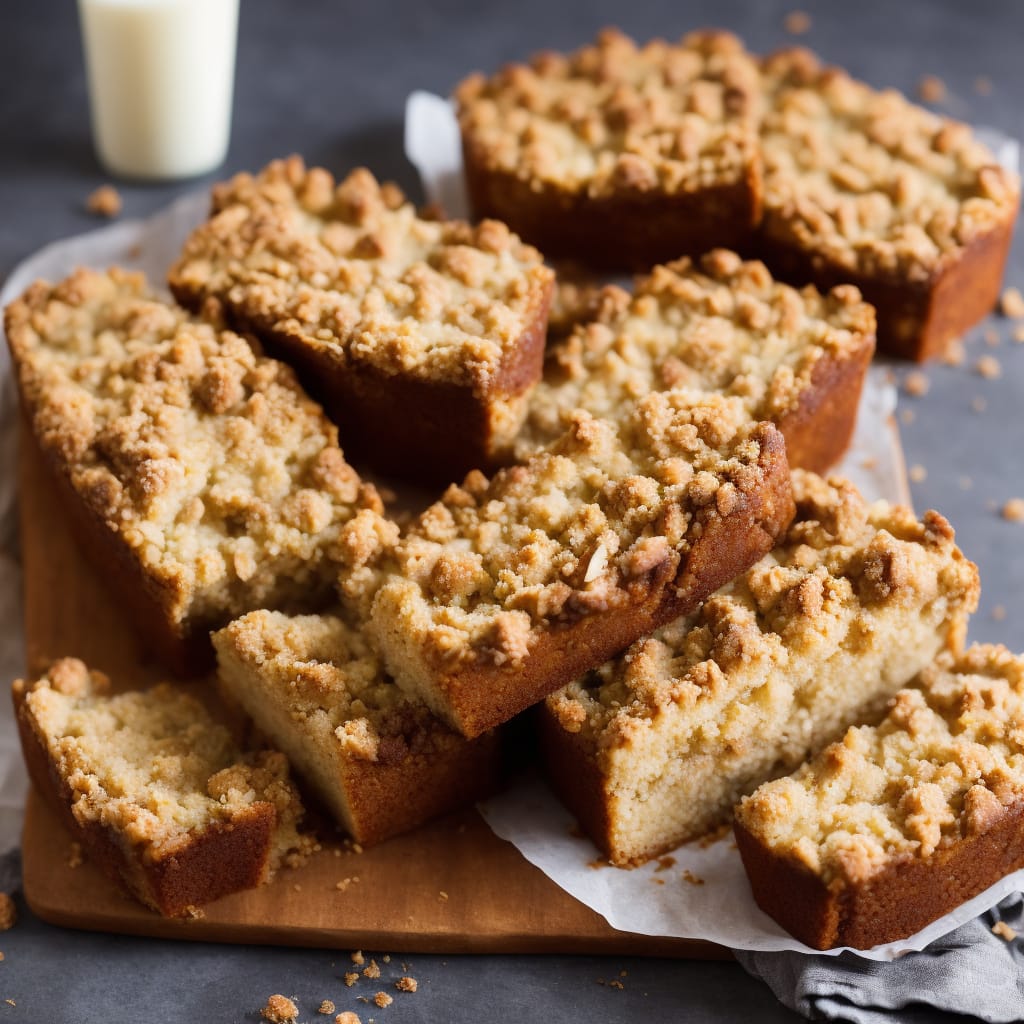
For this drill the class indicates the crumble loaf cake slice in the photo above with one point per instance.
(795, 357)
(203, 481)
(618, 155)
(862, 186)
(422, 337)
(655, 746)
(508, 588)
(379, 762)
(155, 790)
(897, 824)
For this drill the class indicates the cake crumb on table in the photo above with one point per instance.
(347, 1017)
(1004, 931)
(992, 337)
(797, 23)
(372, 970)
(358, 958)
(983, 85)
(907, 416)
(616, 984)
(386, 958)
(8, 912)
(931, 89)
(998, 613)
(916, 384)
(442, 897)
(406, 984)
(918, 474)
(104, 202)
(1018, 334)
(326, 1007)
(1012, 304)
(978, 404)
(954, 354)
(1013, 510)
(966, 483)
(279, 1010)
(351, 978)
(989, 367)
(382, 999)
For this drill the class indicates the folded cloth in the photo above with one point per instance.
(973, 972)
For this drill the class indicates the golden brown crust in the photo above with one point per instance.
(154, 426)
(171, 869)
(863, 186)
(618, 155)
(655, 746)
(422, 337)
(506, 590)
(724, 325)
(379, 762)
(915, 816)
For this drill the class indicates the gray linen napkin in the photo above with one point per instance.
(970, 973)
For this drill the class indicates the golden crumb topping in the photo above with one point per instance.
(585, 525)
(715, 324)
(152, 765)
(352, 271)
(867, 179)
(836, 579)
(334, 686)
(206, 458)
(944, 765)
(616, 118)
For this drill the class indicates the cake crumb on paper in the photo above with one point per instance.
(279, 1010)
(1013, 510)
(797, 23)
(104, 202)
(1004, 931)
(931, 89)
(689, 876)
(664, 863)
(916, 384)
(988, 367)
(1012, 303)
(406, 984)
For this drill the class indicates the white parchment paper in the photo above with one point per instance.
(647, 900)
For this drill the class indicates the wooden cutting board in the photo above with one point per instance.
(449, 887)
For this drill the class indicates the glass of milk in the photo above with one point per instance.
(161, 74)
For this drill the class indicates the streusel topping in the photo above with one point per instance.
(867, 179)
(350, 269)
(207, 458)
(944, 765)
(333, 683)
(717, 324)
(614, 117)
(841, 563)
(152, 765)
(583, 526)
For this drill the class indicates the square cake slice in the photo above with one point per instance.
(380, 763)
(201, 479)
(422, 337)
(655, 747)
(897, 824)
(862, 186)
(717, 323)
(620, 156)
(155, 790)
(508, 588)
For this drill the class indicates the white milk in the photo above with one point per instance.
(160, 82)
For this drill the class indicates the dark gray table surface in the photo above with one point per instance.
(329, 79)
